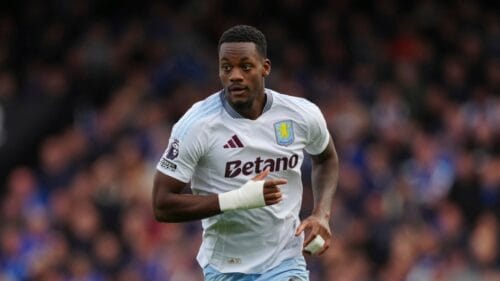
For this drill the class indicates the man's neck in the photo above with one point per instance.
(256, 109)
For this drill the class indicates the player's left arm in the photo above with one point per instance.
(325, 171)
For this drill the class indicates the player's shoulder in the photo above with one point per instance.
(199, 114)
(294, 103)
(206, 105)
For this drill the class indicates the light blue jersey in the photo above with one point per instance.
(217, 150)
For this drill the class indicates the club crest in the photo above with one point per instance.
(284, 132)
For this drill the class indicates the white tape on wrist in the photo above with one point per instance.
(248, 196)
(315, 245)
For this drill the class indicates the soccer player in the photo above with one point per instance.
(241, 149)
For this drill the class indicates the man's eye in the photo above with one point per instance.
(226, 68)
(247, 67)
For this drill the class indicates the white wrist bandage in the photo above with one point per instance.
(248, 196)
(315, 245)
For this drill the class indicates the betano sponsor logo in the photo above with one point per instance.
(237, 167)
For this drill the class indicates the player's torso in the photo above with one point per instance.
(237, 149)
(242, 148)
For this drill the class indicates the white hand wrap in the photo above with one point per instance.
(315, 245)
(248, 196)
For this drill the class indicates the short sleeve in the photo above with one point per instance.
(318, 136)
(184, 150)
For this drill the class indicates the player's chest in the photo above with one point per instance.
(269, 137)
(243, 149)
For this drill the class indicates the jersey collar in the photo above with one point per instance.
(233, 113)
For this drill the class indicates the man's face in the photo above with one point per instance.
(242, 70)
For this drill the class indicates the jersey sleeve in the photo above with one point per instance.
(318, 136)
(184, 150)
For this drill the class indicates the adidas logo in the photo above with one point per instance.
(233, 142)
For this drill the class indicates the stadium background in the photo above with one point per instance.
(90, 89)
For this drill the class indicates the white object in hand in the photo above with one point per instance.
(315, 245)
(248, 196)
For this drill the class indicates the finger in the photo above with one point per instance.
(309, 238)
(262, 175)
(272, 196)
(271, 189)
(273, 201)
(313, 231)
(301, 228)
(275, 182)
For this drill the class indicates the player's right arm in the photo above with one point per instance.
(170, 205)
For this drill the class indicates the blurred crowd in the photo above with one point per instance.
(89, 91)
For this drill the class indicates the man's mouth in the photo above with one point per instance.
(237, 90)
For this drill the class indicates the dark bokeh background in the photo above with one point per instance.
(89, 91)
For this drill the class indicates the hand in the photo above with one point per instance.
(315, 225)
(272, 192)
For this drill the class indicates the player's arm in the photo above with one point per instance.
(170, 205)
(325, 171)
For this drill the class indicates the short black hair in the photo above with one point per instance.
(245, 33)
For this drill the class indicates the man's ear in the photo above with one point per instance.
(267, 68)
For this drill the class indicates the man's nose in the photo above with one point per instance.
(235, 75)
